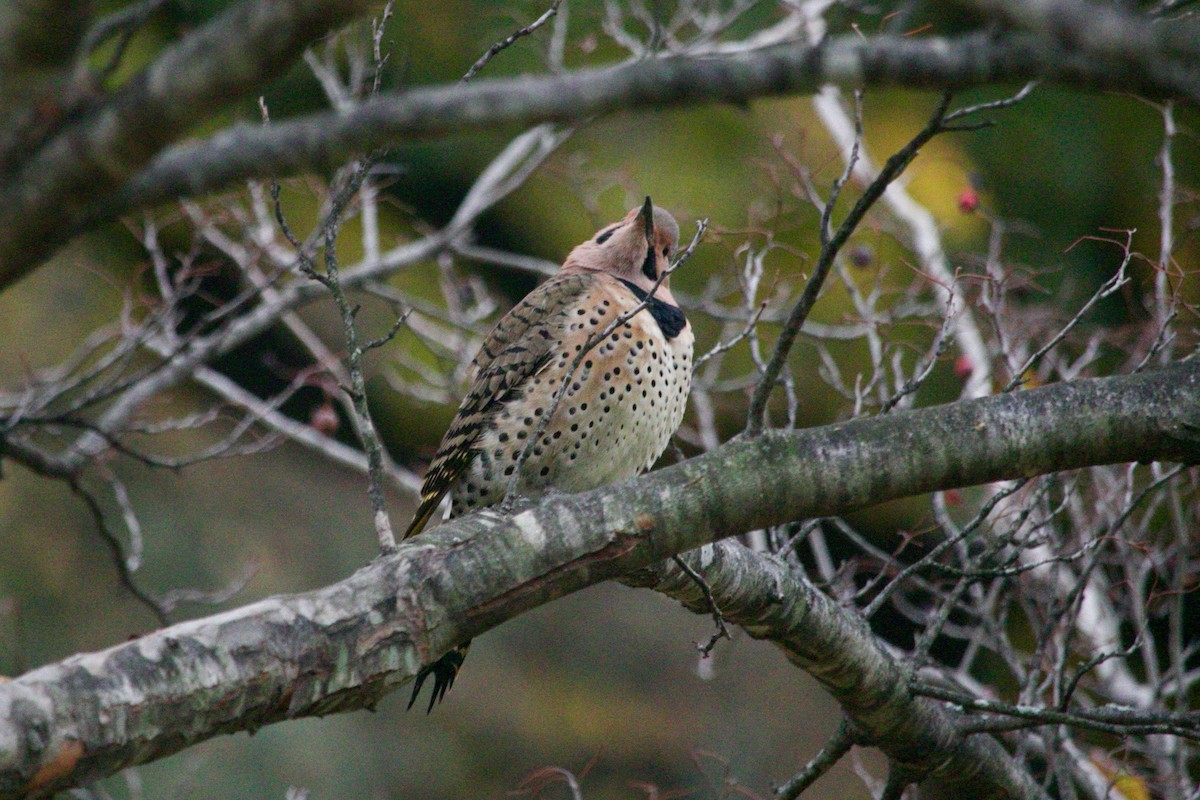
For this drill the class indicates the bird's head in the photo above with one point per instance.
(638, 249)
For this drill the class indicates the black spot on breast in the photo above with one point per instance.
(670, 319)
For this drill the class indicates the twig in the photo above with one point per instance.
(357, 389)
(835, 747)
(124, 574)
(172, 599)
(132, 524)
(331, 279)
(1118, 720)
(942, 547)
(721, 347)
(993, 105)
(512, 37)
(378, 25)
(492, 255)
(829, 251)
(1165, 300)
(267, 413)
(718, 617)
(922, 372)
(1111, 285)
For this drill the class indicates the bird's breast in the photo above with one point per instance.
(671, 319)
(619, 407)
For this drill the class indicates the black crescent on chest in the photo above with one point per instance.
(670, 318)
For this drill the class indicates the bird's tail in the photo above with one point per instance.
(444, 671)
(429, 503)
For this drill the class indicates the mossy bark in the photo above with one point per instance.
(344, 646)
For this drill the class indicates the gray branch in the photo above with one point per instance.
(774, 601)
(347, 645)
(35, 69)
(114, 160)
(80, 165)
(323, 141)
(1107, 30)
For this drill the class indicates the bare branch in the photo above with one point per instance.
(367, 635)
(119, 559)
(718, 617)
(324, 140)
(837, 746)
(756, 416)
(332, 280)
(510, 39)
(215, 64)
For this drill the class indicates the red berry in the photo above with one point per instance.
(324, 419)
(968, 200)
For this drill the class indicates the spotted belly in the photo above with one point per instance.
(617, 414)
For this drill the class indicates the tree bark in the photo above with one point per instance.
(116, 157)
(345, 646)
(81, 163)
(773, 601)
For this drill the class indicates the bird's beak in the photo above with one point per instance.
(647, 215)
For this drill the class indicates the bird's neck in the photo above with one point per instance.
(638, 280)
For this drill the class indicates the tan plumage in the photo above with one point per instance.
(619, 409)
(517, 347)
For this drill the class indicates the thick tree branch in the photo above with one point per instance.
(345, 646)
(322, 141)
(102, 150)
(774, 601)
(35, 69)
(229, 58)
(1107, 30)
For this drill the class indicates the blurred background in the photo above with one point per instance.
(605, 683)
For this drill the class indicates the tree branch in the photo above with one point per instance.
(345, 646)
(322, 141)
(226, 59)
(831, 245)
(35, 62)
(774, 601)
(1106, 30)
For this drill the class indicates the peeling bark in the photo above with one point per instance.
(775, 602)
(343, 647)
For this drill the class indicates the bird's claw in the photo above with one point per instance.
(444, 671)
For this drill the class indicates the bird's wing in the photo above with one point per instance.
(520, 345)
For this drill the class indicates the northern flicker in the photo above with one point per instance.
(619, 408)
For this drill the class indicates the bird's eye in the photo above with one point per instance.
(666, 251)
(603, 237)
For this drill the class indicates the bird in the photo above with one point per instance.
(617, 410)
